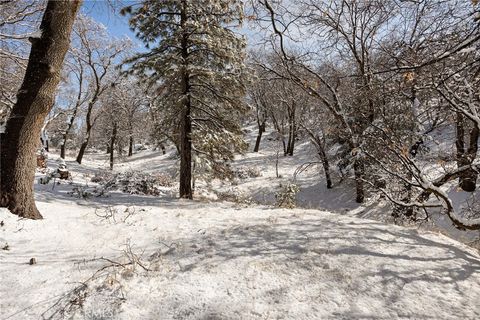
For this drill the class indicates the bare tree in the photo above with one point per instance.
(258, 95)
(123, 116)
(80, 98)
(98, 53)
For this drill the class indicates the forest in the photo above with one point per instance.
(229, 159)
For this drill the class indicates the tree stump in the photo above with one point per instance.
(63, 174)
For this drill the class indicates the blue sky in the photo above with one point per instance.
(116, 24)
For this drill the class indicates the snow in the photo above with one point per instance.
(220, 260)
(238, 263)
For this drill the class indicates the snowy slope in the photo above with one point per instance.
(141, 257)
(217, 261)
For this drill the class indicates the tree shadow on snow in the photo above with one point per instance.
(387, 257)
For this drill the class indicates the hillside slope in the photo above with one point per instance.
(218, 261)
(126, 256)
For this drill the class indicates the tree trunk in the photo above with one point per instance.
(468, 178)
(291, 146)
(130, 146)
(65, 136)
(359, 169)
(322, 154)
(326, 166)
(186, 190)
(261, 130)
(326, 169)
(291, 131)
(186, 156)
(35, 99)
(62, 147)
(112, 144)
(83, 147)
(70, 123)
(89, 125)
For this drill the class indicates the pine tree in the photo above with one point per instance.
(196, 62)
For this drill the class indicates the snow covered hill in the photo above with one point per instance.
(142, 257)
(162, 258)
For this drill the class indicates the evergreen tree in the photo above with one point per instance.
(196, 63)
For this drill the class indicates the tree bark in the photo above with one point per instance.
(291, 144)
(186, 190)
(35, 99)
(261, 130)
(130, 146)
(83, 147)
(326, 169)
(186, 158)
(292, 128)
(326, 166)
(89, 124)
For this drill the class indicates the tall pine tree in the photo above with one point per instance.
(196, 63)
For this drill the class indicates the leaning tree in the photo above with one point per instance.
(35, 99)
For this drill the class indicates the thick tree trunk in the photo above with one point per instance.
(112, 144)
(261, 130)
(186, 190)
(35, 99)
(186, 158)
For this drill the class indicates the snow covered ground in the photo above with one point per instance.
(142, 257)
(214, 261)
